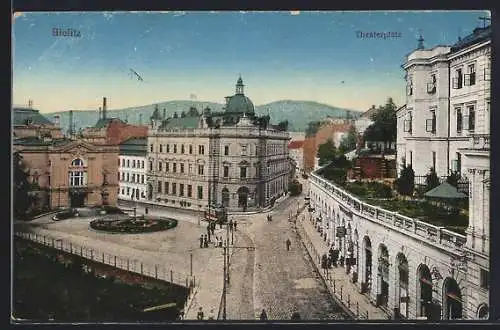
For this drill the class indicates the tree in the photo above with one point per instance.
(431, 180)
(348, 141)
(176, 115)
(326, 152)
(283, 125)
(406, 182)
(183, 114)
(193, 112)
(453, 179)
(22, 199)
(384, 127)
(312, 128)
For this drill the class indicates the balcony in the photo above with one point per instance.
(480, 141)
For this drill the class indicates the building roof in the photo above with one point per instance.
(25, 116)
(180, 122)
(239, 103)
(134, 146)
(445, 191)
(477, 36)
(35, 141)
(369, 113)
(101, 123)
(296, 144)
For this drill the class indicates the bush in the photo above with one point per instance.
(383, 191)
(431, 180)
(406, 182)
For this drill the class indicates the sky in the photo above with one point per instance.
(314, 56)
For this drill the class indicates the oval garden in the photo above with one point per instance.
(124, 224)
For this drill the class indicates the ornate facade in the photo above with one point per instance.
(233, 158)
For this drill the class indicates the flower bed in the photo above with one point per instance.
(130, 225)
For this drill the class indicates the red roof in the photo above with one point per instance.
(296, 144)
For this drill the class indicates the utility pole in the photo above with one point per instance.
(191, 264)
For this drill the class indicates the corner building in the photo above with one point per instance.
(232, 158)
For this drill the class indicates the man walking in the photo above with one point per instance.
(201, 240)
(263, 315)
(288, 243)
(205, 243)
(200, 315)
(234, 224)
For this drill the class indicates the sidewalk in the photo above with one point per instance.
(338, 282)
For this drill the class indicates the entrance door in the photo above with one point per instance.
(77, 199)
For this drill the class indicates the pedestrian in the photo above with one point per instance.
(200, 315)
(211, 315)
(205, 242)
(234, 224)
(146, 210)
(288, 243)
(324, 262)
(231, 224)
(209, 237)
(263, 315)
(201, 240)
(220, 241)
(180, 316)
(212, 227)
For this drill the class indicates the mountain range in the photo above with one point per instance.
(298, 113)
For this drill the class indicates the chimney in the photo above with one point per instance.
(56, 120)
(30, 104)
(104, 108)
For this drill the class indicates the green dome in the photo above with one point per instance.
(239, 103)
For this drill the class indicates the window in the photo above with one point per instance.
(457, 80)
(484, 278)
(161, 147)
(159, 186)
(181, 189)
(182, 168)
(168, 148)
(133, 163)
(174, 188)
(409, 87)
(201, 150)
(200, 169)
(160, 166)
(472, 118)
(167, 186)
(459, 120)
(175, 148)
(142, 178)
(128, 162)
(200, 192)
(174, 167)
(123, 162)
(123, 191)
(430, 124)
(167, 167)
(128, 190)
(123, 176)
(189, 190)
(470, 77)
(190, 149)
(226, 150)
(431, 86)
(150, 165)
(128, 177)
(142, 164)
(133, 177)
(151, 147)
(76, 178)
(226, 171)
(408, 124)
(190, 168)
(243, 172)
(411, 158)
(434, 160)
(459, 163)
(243, 150)
(182, 149)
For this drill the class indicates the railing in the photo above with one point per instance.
(395, 221)
(132, 265)
(480, 141)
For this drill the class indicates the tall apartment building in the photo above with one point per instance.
(448, 97)
(233, 158)
(132, 170)
(446, 125)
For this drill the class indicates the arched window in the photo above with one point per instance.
(483, 312)
(77, 162)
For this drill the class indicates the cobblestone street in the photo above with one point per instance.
(285, 281)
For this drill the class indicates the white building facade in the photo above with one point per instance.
(448, 93)
(132, 170)
(233, 158)
(296, 151)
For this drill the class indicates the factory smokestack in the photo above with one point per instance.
(104, 108)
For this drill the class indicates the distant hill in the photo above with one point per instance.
(298, 113)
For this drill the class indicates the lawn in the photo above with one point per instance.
(46, 289)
